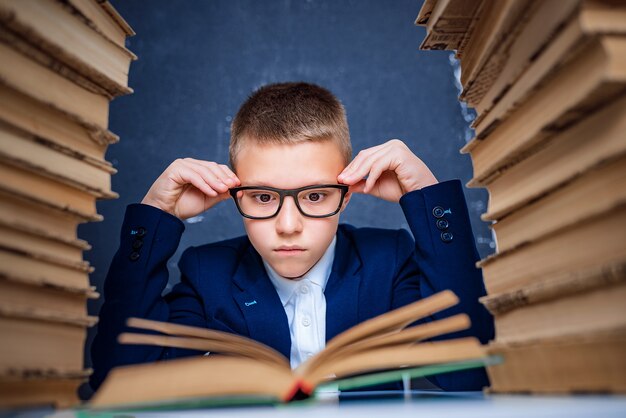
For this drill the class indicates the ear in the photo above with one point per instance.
(346, 200)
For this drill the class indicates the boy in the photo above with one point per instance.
(298, 278)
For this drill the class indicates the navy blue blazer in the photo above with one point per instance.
(374, 271)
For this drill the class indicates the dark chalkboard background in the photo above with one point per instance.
(199, 60)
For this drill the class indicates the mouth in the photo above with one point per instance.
(289, 250)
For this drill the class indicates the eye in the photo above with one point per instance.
(315, 196)
(263, 197)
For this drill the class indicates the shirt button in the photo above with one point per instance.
(306, 321)
(304, 290)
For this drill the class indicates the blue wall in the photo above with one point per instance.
(199, 60)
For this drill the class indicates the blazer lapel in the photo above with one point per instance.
(260, 304)
(342, 288)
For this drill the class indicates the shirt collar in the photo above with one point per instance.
(318, 275)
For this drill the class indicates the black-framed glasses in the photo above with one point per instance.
(318, 201)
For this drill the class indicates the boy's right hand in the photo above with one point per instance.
(188, 187)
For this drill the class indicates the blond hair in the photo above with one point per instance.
(290, 113)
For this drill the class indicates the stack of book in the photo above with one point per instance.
(62, 63)
(547, 79)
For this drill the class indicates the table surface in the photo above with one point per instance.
(399, 405)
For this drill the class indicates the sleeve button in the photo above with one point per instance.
(446, 236)
(141, 232)
(437, 211)
(137, 244)
(442, 224)
(134, 256)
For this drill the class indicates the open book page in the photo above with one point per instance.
(395, 320)
(194, 377)
(249, 368)
(384, 324)
(405, 355)
(231, 344)
(224, 379)
(410, 335)
(363, 381)
(201, 339)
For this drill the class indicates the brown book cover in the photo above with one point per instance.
(584, 363)
(555, 286)
(22, 149)
(571, 313)
(45, 296)
(495, 23)
(592, 80)
(593, 142)
(104, 19)
(533, 31)
(29, 185)
(47, 86)
(450, 24)
(40, 219)
(425, 12)
(41, 340)
(595, 19)
(595, 190)
(41, 388)
(591, 242)
(57, 33)
(28, 240)
(38, 268)
(54, 128)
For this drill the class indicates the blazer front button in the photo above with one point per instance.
(442, 224)
(134, 256)
(446, 236)
(438, 211)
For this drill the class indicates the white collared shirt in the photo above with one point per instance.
(305, 305)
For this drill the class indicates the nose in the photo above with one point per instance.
(289, 219)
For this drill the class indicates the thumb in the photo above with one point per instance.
(211, 201)
(222, 196)
(358, 186)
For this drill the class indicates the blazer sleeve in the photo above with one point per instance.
(136, 278)
(443, 255)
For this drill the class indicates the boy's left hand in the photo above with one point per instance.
(391, 169)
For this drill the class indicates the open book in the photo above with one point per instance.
(376, 351)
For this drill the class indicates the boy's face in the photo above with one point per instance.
(291, 167)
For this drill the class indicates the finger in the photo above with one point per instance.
(231, 178)
(188, 176)
(364, 168)
(213, 167)
(211, 175)
(358, 187)
(221, 171)
(362, 155)
(374, 174)
(203, 163)
(212, 178)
